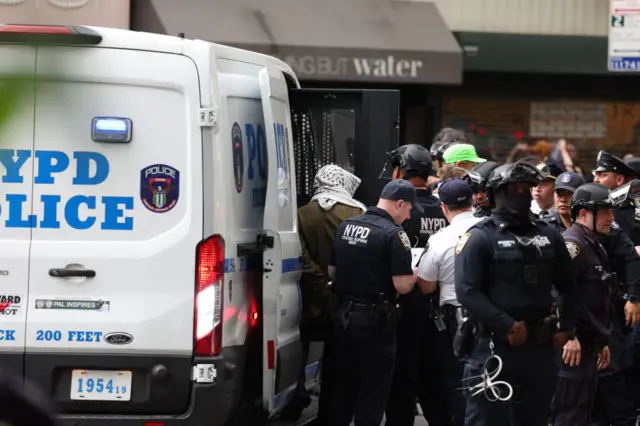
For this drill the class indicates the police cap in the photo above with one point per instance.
(590, 196)
(519, 172)
(455, 192)
(412, 158)
(397, 190)
(479, 174)
(607, 162)
(634, 164)
(569, 181)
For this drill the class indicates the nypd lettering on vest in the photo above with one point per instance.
(159, 187)
(356, 234)
(78, 211)
(431, 225)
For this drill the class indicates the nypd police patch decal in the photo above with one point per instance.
(159, 187)
(462, 241)
(405, 240)
(238, 157)
(573, 248)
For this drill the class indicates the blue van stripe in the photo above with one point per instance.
(291, 265)
(288, 265)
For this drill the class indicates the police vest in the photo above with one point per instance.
(520, 282)
(421, 226)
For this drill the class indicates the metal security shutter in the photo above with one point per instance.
(311, 156)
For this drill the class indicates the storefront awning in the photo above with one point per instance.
(327, 40)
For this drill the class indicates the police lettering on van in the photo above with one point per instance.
(116, 210)
(257, 164)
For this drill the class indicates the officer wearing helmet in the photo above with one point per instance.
(505, 268)
(588, 352)
(477, 178)
(413, 163)
(443, 140)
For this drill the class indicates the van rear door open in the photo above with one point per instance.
(16, 159)
(282, 360)
(117, 218)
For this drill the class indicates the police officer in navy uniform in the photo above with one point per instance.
(592, 214)
(612, 172)
(506, 266)
(413, 163)
(477, 178)
(614, 401)
(370, 264)
(563, 189)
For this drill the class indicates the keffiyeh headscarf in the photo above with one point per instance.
(333, 184)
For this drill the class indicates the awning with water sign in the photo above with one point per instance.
(328, 40)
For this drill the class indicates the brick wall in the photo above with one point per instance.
(495, 109)
(495, 124)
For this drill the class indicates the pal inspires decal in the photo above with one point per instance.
(159, 187)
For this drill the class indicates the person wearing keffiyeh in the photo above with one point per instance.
(331, 204)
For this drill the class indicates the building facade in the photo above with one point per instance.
(503, 70)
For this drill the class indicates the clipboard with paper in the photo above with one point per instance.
(416, 255)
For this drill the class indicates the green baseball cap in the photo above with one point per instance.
(461, 152)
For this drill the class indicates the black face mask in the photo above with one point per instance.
(515, 204)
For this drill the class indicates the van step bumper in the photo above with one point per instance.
(210, 404)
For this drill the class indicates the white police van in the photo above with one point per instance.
(149, 247)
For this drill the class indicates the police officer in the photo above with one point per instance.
(592, 214)
(477, 179)
(563, 188)
(436, 270)
(370, 263)
(505, 268)
(612, 172)
(413, 164)
(614, 401)
(446, 137)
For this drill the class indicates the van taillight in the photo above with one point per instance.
(48, 34)
(208, 303)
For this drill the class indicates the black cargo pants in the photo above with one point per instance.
(364, 357)
(575, 391)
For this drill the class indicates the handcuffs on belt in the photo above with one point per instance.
(488, 386)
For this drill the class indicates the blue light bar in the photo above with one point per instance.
(111, 129)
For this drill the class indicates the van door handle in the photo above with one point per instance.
(65, 273)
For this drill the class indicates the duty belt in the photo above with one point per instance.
(540, 332)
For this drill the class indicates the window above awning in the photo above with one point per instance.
(328, 40)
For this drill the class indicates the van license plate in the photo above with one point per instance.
(100, 385)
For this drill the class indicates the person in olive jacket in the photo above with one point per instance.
(318, 221)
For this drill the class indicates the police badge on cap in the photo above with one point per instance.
(607, 162)
(159, 187)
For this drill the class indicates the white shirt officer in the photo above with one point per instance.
(437, 265)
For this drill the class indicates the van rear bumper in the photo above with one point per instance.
(210, 404)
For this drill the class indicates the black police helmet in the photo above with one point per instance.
(590, 196)
(519, 172)
(478, 176)
(444, 139)
(413, 159)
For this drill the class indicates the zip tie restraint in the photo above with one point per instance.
(488, 384)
